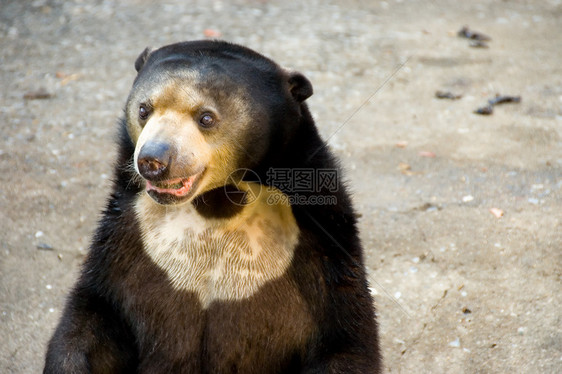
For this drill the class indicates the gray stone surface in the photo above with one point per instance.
(458, 290)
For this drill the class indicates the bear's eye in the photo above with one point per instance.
(207, 120)
(144, 111)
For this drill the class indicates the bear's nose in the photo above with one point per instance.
(154, 161)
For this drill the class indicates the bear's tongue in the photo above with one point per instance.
(178, 186)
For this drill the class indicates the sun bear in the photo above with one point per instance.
(229, 243)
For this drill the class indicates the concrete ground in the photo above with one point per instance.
(460, 213)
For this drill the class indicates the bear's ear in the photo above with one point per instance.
(139, 63)
(300, 86)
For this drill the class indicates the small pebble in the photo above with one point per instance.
(397, 295)
(496, 212)
(455, 343)
(12, 32)
(49, 287)
(467, 198)
(447, 95)
(428, 154)
(432, 209)
(39, 234)
(478, 44)
(39, 94)
(538, 186)
(466, 32)
(44, 246)
(485, 110)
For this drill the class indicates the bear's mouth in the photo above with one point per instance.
(173, 191)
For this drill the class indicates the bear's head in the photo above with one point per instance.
(199, 111)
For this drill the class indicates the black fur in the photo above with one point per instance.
(123, 316)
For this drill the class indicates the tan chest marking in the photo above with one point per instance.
(219, 259)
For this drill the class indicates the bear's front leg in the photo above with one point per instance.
(90, 338)
(348, 340)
